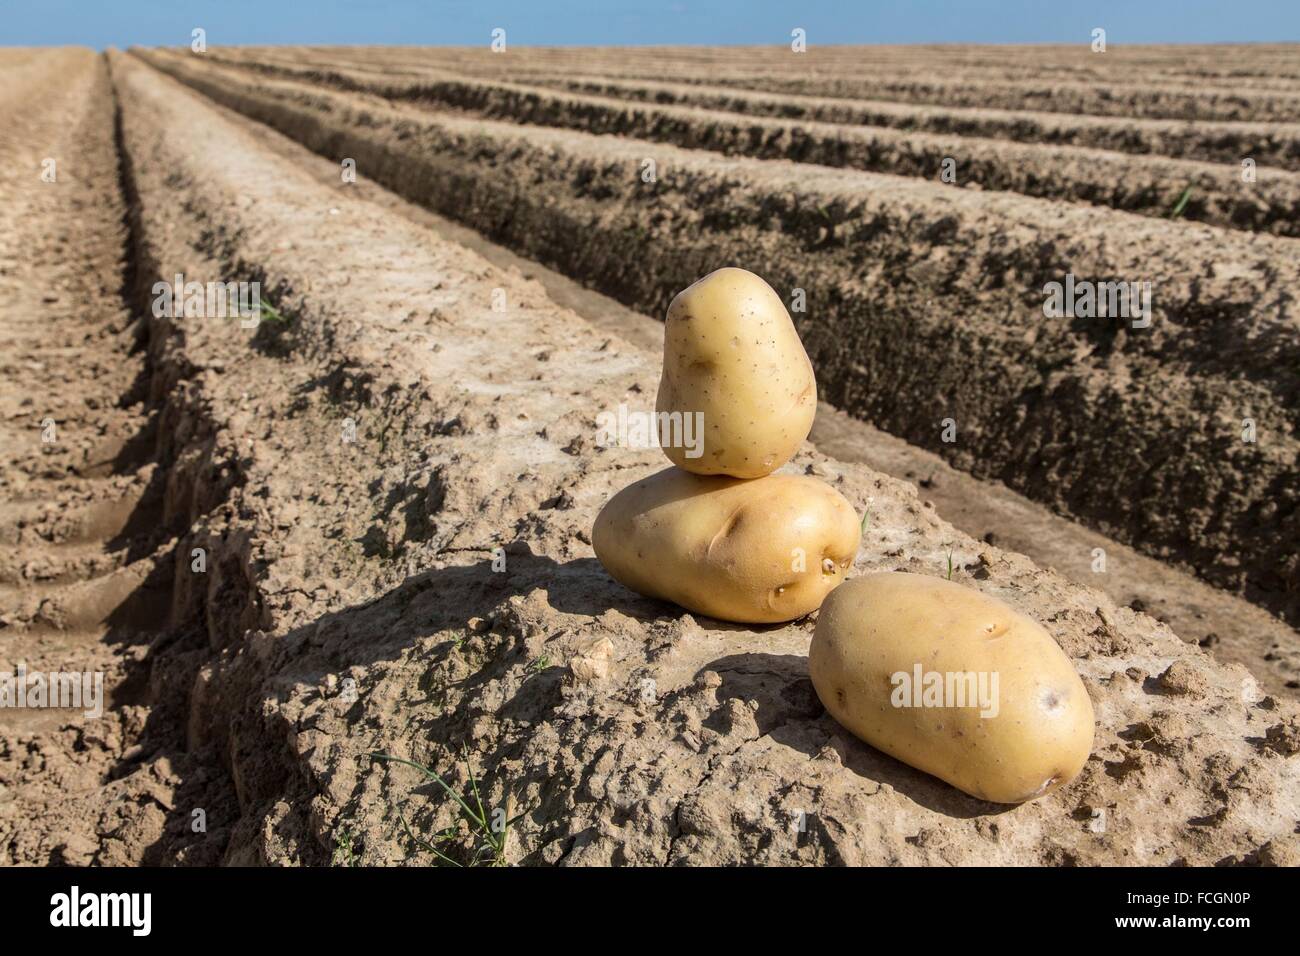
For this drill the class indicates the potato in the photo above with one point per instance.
(732, 355)
(754, 552)
(1028, 734)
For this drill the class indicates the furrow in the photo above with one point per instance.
(381, 624)
(1151, 186)
(1070, 80)
(926, 305)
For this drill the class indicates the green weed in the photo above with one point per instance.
(270, 314)
(490, 829)
(344, 854)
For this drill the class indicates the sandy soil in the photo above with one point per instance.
(1231, 628)
(926, 306)
(85, 579)
(1256, 82)
(1270, 144)
(1189, 83)
(1149, 185)
(350, 473)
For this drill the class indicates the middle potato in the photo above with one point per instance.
(733, 357)
(753, 552)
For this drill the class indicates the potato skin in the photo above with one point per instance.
(725, 547)
(732, 353)
(881, 624)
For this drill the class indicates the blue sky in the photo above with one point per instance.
(121, 23)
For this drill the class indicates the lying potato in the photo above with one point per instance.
(1026, 728)
(756, 551)
(732, 355)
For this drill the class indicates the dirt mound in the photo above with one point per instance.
(85, 559)
(926, 305)
(355, 607)
(1149, 185)
(1269, 144)
(1245, 82)
(391, 480)
(1177, 86)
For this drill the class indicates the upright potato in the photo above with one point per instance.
(732, 354)
(1038, 725)
(756, 551)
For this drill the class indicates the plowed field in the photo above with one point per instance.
(361, 522)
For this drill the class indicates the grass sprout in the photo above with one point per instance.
(344, 852)
(270, 313)
(490, 829)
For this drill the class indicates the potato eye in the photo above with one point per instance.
(828, 565)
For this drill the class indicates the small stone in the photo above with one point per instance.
(592, 662)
